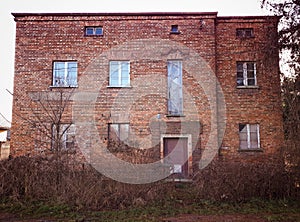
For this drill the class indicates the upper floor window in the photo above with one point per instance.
(90, 31)
(246, 74)
(174, 29)
(65, 74)
(244, 33)
(249, 136)
(175, 98)
(119, 73)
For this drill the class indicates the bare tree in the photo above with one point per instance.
(51, 121)
(289, 44)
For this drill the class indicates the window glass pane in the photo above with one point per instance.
(175, 100)
(243, 134)
(254, 144)
(248, 32)
(243, 137)
(253, 127)
(89, 31)
(58, 73)
(251, 82)
(72, 74)
(243, 128)
(125, 74)
(114, 74)
(70, 137)
(253, 136)
(98, 31)
(174, 28)
(250, 74)
(114, 132)
(239, 32)
(250, 66)
(243, 144)
(124, 131)
(240, 67)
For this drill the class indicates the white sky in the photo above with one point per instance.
(7, 24)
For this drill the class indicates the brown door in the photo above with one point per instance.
(176, 154)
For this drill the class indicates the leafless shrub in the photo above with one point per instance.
(36, 178)
(242, 181)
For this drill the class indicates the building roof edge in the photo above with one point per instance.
(21, 14)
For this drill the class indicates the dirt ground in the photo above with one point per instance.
(182, 218)
(215, 218)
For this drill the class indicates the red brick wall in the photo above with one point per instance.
(261, 105)
(42, 39)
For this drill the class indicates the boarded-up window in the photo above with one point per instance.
(249, 136)
(246, 74)
(175, 100)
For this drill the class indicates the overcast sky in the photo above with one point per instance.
(7, 24)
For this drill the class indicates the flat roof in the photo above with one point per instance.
(117, 14)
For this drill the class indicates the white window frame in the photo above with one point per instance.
(120, 74)
(67, 131)
(249, 145)
(94, 29)
(118, 131)
(64, 80)
(245, 74)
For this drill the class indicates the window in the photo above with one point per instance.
(249, 136)
(119, 73)
(246, 74)
(94, 31)
(118, 131)
(244, 33)
(64, 138)
(65, 74)
(174, 29)
(175, 100)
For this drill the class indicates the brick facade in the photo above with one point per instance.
(206, 44)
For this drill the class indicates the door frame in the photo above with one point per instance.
(189, 147)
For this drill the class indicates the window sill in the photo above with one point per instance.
(176, 33)
(247, 87)
(179, 180)
(245, 37)
(93, 35)
(63, 86)
(118, 86)
(251, 150)
(175, 115)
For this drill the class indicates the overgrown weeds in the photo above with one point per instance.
(33, 186)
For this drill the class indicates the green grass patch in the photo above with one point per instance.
(271, 210)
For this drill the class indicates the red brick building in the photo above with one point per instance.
(183, 87)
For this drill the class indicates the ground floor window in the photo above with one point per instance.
(63, 138)
(249, 136)
(118, 131)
